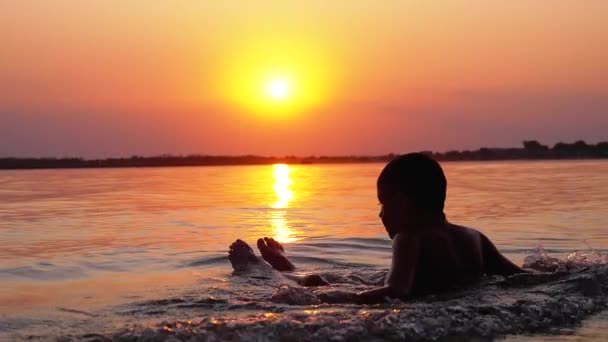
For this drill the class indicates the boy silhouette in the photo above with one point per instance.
(430, 254)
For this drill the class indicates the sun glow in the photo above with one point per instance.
(277, 77)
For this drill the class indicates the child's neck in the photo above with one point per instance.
(427, 221)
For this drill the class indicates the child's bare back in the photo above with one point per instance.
(442, 257)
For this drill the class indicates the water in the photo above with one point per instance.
(137, 251)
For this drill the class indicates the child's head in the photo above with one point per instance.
(410, 187)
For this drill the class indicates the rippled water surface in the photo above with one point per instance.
(80, 245)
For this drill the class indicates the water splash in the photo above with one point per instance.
(538, 302)
(528, 303)
(540, 260)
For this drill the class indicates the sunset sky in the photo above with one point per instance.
(117, 78)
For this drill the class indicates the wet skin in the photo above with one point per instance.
(425, 261)
(241, 256)
(430, 255)
(274, 253)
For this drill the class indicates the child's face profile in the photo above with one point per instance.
(393, 211)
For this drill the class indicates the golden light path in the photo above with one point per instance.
(280, 229)
(281, 186)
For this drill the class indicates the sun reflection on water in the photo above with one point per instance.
(281, 186)
(280, 228)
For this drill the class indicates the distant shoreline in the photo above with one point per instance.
(532, 150)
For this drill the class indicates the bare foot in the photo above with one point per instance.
(274, 253)
(241, 255)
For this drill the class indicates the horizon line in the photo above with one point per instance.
(294, 156)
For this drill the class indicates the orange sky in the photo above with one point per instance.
(115, 78)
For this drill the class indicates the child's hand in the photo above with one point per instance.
(365, 298)
(374, 296)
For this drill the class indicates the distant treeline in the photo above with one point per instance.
(531, 149)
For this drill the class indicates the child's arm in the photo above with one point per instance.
(400, 279)
(494, 262)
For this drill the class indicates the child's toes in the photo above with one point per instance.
(270, 243)
(275, 244)
(261, 244)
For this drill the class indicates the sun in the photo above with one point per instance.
(277, 77)
(278, 89)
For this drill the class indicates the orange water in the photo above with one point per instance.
(88, 238)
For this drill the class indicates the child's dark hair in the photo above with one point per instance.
(419, 177)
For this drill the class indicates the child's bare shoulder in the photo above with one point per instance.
(463, 230)
(402, 239)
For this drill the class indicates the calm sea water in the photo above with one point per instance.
(82, 243)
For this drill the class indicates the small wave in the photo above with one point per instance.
(44, 272)
(324, 261)
(339, 246)
(297, 259)
(368, 241)
(497, 306)
(208, 261)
